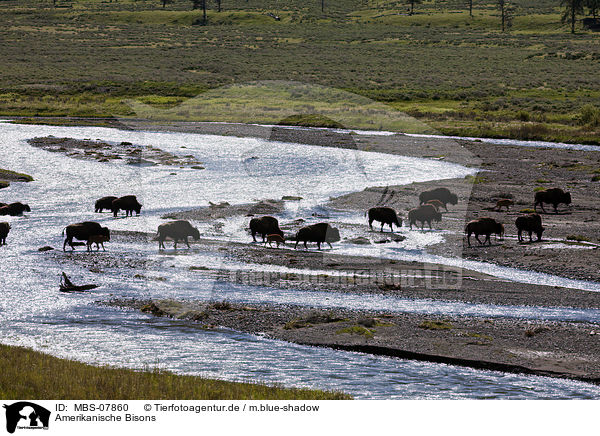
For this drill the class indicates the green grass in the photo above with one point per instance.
(29, 374)
(455, 74)
(578, 238)
(14, 176)
(436, 325)
(356, 330)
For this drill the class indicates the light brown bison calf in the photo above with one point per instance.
(275, 238)
(97, 239)
(436, 203)
(504, 202)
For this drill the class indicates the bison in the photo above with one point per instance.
(266, 225)
(504, 202)
(385, 215)
(319, 233)
(275, 238)
(442, 194)
(97, 239)
(84, 231)
(4, 229)
(554, 196)
(127, 203)
(14, 209)
(104, 203)
(178, 230)
(529, 223)
(436, 203)
(484, 226)
(424, 213)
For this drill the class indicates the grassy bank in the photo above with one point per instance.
(440, 65)
(28, 374)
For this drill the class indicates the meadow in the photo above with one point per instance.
(456, 73)
(29, 374)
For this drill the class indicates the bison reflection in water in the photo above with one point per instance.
(83, 232)
(178, 230)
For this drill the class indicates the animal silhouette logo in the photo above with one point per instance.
(24, 414)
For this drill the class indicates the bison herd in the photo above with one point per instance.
(428, 211)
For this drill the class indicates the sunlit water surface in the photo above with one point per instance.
(238, 170)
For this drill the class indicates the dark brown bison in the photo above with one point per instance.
(441, 194)
(127, 203)
(83, 231)
(385, 215)
(553, 196)
(104, 203)
(178, 230)
(319, 233)
(529, 223)
(484, 226)
(424, 213)
(4, 229)
(14, 209)
(266, 225)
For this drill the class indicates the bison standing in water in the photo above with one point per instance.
(127, 203)
(529, 223)
(104, 203)
(424, 213)
(319, 233)
(442, 194)
(83, 232)
(4, 229)
(266, 225)
(178, 230)
(14, 209)
(385, 215)
(553, 196)
(483, 226)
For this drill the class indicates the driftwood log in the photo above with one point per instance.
(67, 285)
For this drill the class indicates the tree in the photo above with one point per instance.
(165, 2)
(506, 13)
(572, 9)
(219, 6)
(196, 4)
(412, 5)
(593, 7)
(471, 8)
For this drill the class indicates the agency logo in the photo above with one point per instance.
(26, 415)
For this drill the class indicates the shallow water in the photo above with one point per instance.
(238, 170)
